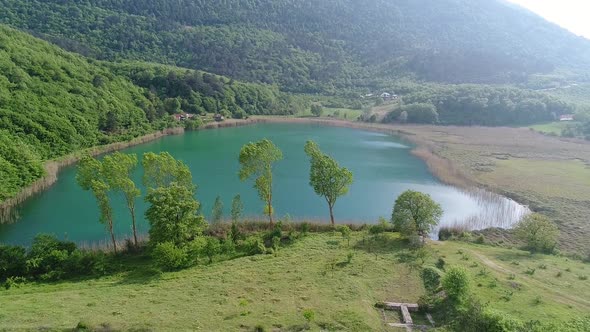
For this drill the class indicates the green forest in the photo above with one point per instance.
(313, 46)
(53, 102)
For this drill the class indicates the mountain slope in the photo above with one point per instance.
(313, 46)
(53, 102)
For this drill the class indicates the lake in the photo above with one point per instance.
(383, 167)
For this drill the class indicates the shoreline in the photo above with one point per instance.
(53, 167)
(443, 169)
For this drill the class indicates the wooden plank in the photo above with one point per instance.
(406, 315)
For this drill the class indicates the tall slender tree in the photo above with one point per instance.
(91, 177)
(118, 169)
(237, 208)
(217, 211)
(257, 161)
(327, 178)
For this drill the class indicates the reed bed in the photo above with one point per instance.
(495, 211)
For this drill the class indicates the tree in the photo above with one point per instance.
(456, 283)
(237, 208)
(346, 232)
(317, 110)
(415, 213)
(91, 177)
(539, 233)
(327, 178)
(160, 170)
(217, 211)
(211, 248)
(118, 169)
(173, 215)
(171, 105)
(256, 160)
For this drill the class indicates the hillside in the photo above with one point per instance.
(314, 275)
(313, 46)
(53, 102)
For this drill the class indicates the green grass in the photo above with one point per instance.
(503, 278)
(338, 113)
(274, 291)
(554, 128)
(233, 295)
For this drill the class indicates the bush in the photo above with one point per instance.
(168, 257)
(253, 245)
(539, 233)
(440, 264)
(13, 261)
(430, 278)
(456, 283)
(309, 315)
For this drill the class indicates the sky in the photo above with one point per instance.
(573, 15)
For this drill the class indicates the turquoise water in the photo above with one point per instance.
(382, 165)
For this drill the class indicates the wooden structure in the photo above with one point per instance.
(405, 309)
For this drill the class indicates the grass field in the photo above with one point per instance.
(313, 275)
(553, 128)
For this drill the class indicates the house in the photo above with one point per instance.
(566, 117)
(386, 95)
(183, 116)
(218, 117)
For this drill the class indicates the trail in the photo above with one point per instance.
(557, 295)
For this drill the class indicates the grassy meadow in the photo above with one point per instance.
(552, 128)
(320, 283)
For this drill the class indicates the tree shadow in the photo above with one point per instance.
(381, 244)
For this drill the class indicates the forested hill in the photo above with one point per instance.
(315, 45)
(53, 102)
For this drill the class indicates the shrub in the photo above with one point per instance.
(305, 228)
(440, 264)
(50, 259)
(253, 245)
(13, 261)
(430, 278)
(14, 281)
(309, 315)
(211, 248)
(456, 283)
(168, 257)
(480, 239)
(539, 233)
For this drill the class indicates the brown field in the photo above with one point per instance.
(549, 174)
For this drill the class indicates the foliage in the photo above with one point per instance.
(317, 110)
(456, 283)
(13, 261)
(217, 211)
(327, 178)
(414, 113)
(162, 170)
(173, 215)
(430, 278)
(93, 176)
(539, 233)
(118, 169)
(346, 233)
(294, 45)
(169, 257)
(237, 208)
(211, 248)
(256, 160)
(415, 213)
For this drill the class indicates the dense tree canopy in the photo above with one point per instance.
(53, 103)
(312, 46)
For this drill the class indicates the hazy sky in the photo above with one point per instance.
(573, 15)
